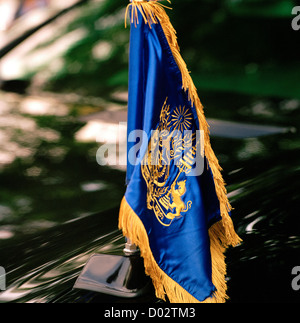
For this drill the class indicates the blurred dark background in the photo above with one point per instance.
(64, 78)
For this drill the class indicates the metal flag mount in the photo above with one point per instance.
(117, 275)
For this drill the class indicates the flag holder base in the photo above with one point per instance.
(121, 276)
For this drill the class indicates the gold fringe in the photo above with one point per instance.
(222, 234)
(133, 228)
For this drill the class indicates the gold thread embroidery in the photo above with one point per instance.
(169, 148)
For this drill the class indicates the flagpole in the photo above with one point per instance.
(130, 248)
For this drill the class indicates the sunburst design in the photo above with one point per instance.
(182, 119)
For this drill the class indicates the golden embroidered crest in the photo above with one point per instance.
(172, 146)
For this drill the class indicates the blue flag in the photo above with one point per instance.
(175, 207)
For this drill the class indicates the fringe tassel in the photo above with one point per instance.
(133, 228)
(222, 234)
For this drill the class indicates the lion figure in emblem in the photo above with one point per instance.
(177, 202)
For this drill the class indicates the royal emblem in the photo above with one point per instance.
(172, 147)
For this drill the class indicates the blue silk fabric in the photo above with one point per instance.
(180, 245)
